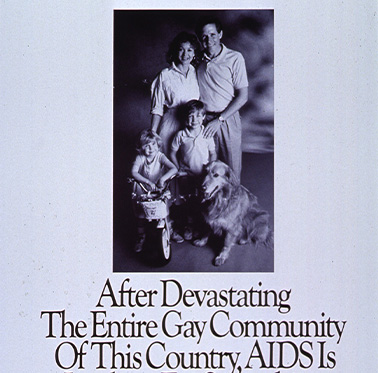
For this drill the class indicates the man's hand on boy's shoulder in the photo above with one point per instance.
(211, 129)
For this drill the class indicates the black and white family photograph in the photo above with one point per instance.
(193, 141)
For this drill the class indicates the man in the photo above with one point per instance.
(223, 83)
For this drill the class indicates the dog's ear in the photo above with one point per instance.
(230, 175)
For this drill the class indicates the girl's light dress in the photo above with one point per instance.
(152, 170)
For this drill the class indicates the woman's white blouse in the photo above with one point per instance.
(172, 88)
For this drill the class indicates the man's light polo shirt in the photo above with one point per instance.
(219, 77)
(194, 150)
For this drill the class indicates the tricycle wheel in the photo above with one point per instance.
(164, 243)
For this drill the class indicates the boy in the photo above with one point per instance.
(190, 152)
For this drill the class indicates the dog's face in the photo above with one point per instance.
(218, 177)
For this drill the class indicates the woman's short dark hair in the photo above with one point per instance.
(206, 20)
(174, 46)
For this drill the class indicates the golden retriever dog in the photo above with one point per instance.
(230, 209)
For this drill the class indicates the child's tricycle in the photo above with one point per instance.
(154, 205)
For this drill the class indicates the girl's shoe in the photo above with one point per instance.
(139, 243)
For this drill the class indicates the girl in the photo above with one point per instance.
(152, 168)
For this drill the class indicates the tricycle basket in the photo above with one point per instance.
(154, 209)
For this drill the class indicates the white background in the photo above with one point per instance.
(56, 171)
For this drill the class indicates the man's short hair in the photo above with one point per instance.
(203, 21)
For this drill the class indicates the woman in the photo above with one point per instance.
(175, 85)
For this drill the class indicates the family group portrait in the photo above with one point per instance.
(193, 141)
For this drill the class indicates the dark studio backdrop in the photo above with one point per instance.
(141, 39)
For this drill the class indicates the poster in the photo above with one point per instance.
(65, 309)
